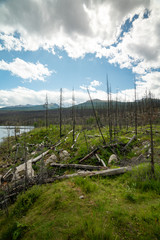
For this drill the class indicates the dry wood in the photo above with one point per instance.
(7, 173)
(15, 191)
(77, 166)
(100, 160)
(75, 140)
(113, 145)
(93, 136)
(108, 172)
(130, 141)
(89, 155)
(33, 160)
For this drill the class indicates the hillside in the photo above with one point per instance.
(84, 209)
(115, 207)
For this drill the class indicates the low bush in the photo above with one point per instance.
(15, 231)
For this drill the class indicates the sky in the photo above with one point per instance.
(78, 44)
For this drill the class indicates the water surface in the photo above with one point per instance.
(6, 131)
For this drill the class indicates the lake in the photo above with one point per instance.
(6, 131)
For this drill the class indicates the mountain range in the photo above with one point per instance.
(29, 107)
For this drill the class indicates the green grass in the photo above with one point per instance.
(110, 209)
(141, 178)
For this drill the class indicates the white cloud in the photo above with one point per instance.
(95, 83)
(139, 50)
(79, 27)
(22, 96)
(91, 86)
(26, 70)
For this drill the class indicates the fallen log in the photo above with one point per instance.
(93, 136)
(75, 140)
(100, 160)
(35, 180)
(89, 155)
(108, 172)
(77, 166)
(114, 145)
(34, 160)
(130, 141)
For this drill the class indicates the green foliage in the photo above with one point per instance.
(90, 120)
(25, 201)
(15, 231)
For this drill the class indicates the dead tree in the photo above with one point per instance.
(60, 114)
(8, 139)
(96, 118)
(109, 110)
(86, 140)
(73, 115)
(151, 132)
(46, 111)
(135, 107)
(25, 161)
(42, 170)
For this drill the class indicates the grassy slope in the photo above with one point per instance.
(124, 207)
(110, 209)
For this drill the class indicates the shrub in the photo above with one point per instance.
(15, 231)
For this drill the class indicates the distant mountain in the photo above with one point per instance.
(87, 104)
(29, 107)
(104, 103)
(97, 104)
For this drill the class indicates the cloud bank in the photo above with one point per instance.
(23, 96)
(87, 26)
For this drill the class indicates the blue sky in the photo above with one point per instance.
(45, 46)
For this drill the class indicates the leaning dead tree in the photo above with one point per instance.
(96, 118)
(73, 115)
(109, 109)
(60, 114)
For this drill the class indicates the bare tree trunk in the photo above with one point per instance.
(8, 139)
(42, 170)
(86, 141)
(95, 115)
(73, 115)
(60, 114)
(109, 110)
(151, 133)
(135, 107)
(46, 111)
(25, 161)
